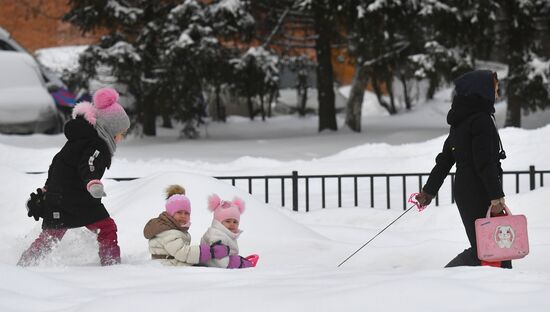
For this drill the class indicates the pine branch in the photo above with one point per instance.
(303, 38)
(385, 56)
(278, 25)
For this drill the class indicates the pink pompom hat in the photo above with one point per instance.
(105, 112)
(110, 114)
(177, 202)
(224, 210)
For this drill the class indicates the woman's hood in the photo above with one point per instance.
(474, 93)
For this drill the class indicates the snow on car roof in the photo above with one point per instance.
(18, 69)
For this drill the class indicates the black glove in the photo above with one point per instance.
(35, 204)
(424, 199)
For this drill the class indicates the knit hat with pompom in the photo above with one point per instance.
(105, 114)
(110, 114)
(176, 200)
(224, 209)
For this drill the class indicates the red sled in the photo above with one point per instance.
(254, 259)
(502, 238)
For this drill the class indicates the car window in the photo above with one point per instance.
(17, 71)
(6, 46)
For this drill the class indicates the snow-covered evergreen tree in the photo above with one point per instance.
(300, 66)
(438, 40)
(292, 26)
(411, 42)
(527, 85)
(256, 74)
(164, 51)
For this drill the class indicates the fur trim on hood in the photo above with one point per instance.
(163, 222)
(87, 110)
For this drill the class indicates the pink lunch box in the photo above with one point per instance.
(502, 238)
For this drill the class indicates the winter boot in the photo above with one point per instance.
(109, 251)
(506, 264)
(495, 264)
(465, 258)
(42, 246)
(498, 264)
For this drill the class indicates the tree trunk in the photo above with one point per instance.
(513, 111)
(220, 113)
(166, 121)
(149, 117)
(325, 80)
(301, 89)
(250, 107)
(302, 100)
(515, 48)
(432, 87)
(303, 104)
(389, 88)
(406, 96)
(378, 92)
(262, 108)
(269, 103)
(355, 100)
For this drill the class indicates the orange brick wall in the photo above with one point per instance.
(36, 24)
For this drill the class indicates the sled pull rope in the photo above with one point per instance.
(414, 204)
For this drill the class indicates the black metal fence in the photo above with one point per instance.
(315, 191)
(367, 190)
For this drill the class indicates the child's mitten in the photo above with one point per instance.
(34, 204)
(238, 262)
(95, 187)
(219, 250)
(216, 251)
(246, 263)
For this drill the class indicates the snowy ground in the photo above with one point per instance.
(400, 270)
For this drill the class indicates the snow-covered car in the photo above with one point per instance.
(26, 106)
(8, 43)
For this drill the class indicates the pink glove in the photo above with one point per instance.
(234, 262)
(246, 263)
(216, 251)
(238, 262)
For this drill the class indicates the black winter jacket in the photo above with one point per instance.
(473, 142)
(83, 158)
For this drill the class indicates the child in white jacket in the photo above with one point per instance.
(169, 239)
(225, 229)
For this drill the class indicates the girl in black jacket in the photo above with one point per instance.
(73, 191)
(474, 145)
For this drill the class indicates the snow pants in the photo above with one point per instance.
(109, 251)
(472, 202)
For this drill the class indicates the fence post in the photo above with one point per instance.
(531, 177)
(295, 190)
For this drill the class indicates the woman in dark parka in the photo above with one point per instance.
(474, 145)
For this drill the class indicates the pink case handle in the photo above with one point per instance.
(508, 212)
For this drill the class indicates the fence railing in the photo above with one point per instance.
(314, 191)
(376, 190)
